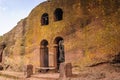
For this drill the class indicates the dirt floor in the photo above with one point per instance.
(99, 72)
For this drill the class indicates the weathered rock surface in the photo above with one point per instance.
(90, 29)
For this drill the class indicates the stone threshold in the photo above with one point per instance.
(47, 76)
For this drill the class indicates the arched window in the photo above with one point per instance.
(58, 14)
(45, 19)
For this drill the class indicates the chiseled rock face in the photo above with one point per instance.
(14, 42)
(90, 30)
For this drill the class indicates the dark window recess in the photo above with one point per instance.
(58, 14)
(45, 19)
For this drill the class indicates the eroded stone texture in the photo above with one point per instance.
(28, 71)
(68, 70)
(90, 30)
(2, 47)
(65, 71)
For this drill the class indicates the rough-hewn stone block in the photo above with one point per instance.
(28, 70)
(65, 70)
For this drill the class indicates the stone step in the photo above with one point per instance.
(46, 76)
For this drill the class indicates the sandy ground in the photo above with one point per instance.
(100, 72)
(6, 75)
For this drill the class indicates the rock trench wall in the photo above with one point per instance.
(90, 29)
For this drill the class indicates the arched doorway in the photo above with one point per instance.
(59, 51)
(44, 59)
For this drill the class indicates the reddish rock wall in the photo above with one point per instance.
(90, 30)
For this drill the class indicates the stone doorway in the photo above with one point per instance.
(59, 52)
(44, 58)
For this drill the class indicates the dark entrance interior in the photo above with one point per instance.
(44, 59)
(2, 47)
(59, 51)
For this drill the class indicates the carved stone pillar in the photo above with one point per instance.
(42, 56)
(55, 56)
